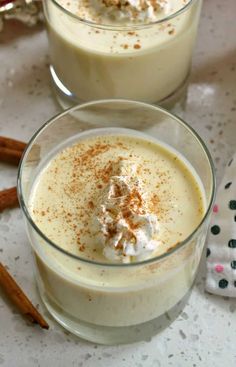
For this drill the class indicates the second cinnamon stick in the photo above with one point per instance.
(19, 298)
(12, 144)
(8, 198)
(10, 155)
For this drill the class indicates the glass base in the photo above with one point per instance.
(66, 99)
(113, 335)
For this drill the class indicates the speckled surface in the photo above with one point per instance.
(205, 333)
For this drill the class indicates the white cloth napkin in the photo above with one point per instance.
(221, 249)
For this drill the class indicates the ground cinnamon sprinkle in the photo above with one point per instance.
(91, 164)
(135, 201)
(82, 248)
(106, 172)
(89, 167)
(92, 152)
(91, 204)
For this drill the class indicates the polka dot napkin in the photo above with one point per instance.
(221, 249)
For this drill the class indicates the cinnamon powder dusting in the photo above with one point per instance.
(77, 176)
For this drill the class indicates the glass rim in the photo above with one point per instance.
(181, 244)
(120, 26)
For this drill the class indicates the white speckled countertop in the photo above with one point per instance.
(205, 332)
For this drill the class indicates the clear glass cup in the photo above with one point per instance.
(94, 303)
(91, 61)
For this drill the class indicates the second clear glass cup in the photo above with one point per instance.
(149, 63)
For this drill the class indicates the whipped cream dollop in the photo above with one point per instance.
(132, 10)
(127, 230)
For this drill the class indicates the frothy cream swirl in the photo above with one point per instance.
(127, 230)
(131, 10)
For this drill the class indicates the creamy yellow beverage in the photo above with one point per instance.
(116, 50)
(115, 198)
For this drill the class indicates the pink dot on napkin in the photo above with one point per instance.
(215, 208)
(219, 268)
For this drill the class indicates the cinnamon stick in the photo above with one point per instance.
(8, 198)
(11, 156)
(19, 298)
(12, 144)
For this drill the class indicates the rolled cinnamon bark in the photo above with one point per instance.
(19, 298)
(8, 198)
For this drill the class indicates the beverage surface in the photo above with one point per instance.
(117, 198)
